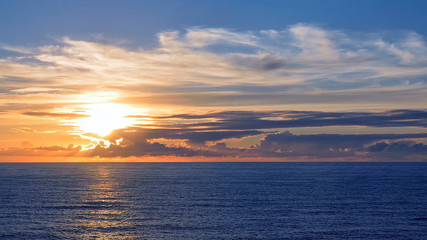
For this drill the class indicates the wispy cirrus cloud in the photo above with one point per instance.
(55, 114)
(301, 61)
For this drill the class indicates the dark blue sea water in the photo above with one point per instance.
(213, 201)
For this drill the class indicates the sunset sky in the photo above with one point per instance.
(213, 80)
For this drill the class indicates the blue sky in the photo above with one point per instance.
(31, 22)
(282, 80)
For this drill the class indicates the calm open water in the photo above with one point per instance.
(213, 201)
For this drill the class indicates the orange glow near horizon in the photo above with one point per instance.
(57, 159)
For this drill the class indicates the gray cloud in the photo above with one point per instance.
(144, 148)
(285, 144)
(291, 98)
(400, 147)
(249, 120)
(336, 145)
(279, 145)
(193, 136)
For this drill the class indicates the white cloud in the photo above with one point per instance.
(219, 60)
(410, 51)
(36, 90)
(315, 43)
(197, 37)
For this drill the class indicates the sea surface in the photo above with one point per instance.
(213, 201)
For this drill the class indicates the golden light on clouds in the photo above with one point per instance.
(217, 92)
(104, 118)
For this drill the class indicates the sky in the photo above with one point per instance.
(213, 81)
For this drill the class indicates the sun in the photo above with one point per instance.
(104, 118)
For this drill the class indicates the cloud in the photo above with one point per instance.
(248, 120)
(55, 148)
(410, 50)
(142, 147)
(195, 72)
(278, 145)
(26, 144)
(22, 50)
(336, 100)
(399, 147)
(139, 141)
(202, 134)
(192, 136)
(334, 145)
(315, 43)
(202, 37)
(28, 149)
(214, 66)
(36, 90)
(56, 115)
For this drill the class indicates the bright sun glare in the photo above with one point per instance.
(104, 118)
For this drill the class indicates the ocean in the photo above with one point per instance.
(213, 201)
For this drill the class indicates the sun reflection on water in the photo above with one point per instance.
(104, 211)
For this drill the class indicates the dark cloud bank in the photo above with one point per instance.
(244, 120)
(283, 144)
(203, 135)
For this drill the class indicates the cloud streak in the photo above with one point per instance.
(301, 62)
(244, 120)
(55, 115)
